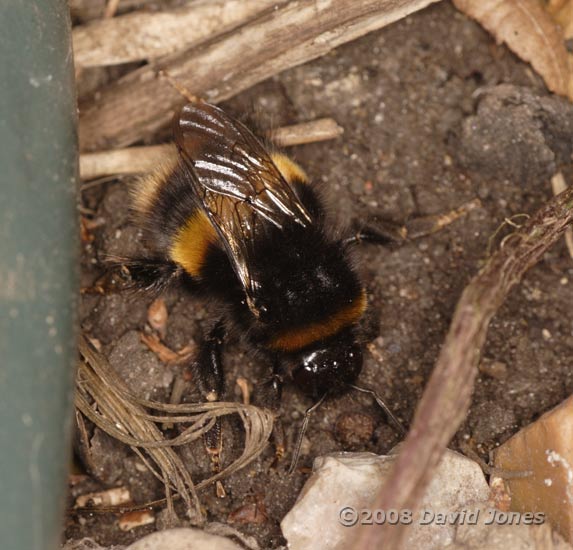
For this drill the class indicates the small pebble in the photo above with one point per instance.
(354, 429)
(494, 369)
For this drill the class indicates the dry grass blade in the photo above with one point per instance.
(528, 31)
(446, 399)
(102, 397)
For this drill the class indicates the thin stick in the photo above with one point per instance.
(558, 185)
(321, 129)
(139, 160)
(132, 160)
(111, 8)
(447, 396)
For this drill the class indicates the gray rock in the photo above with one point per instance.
(517, 134)
(139, 367)
(88, 544)
(351, 481)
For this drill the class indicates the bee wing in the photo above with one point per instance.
(237, 183)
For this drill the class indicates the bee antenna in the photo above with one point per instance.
(397, 425)
(192, 98)
(301, 433)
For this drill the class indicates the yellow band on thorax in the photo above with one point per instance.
(191, 243)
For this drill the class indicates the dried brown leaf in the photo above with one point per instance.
(561, 11)
(157, 316)
(85, 235)
(165, 354)
(254, 512)
(529, 31)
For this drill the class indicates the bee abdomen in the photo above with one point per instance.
(296, 338)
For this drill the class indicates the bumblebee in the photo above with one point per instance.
(241, 225)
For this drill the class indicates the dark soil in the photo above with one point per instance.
(426, 129)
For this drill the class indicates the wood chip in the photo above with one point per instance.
(111, 497)
(131, 520)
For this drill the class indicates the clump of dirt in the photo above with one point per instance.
(427, 128)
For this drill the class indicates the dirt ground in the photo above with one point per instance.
(426, 129)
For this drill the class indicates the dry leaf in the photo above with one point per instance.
(157, 316)
(529, 31)
(85, 235)
(561, 11)
(165, 354)
(250, 513)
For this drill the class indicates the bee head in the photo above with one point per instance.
(328, 367)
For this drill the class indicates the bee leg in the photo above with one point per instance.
(385, 232)
(209, 366)
(211, 381)
(377, 231)
(279, 437)
(270, 397)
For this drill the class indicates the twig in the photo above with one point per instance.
(446, 400)
(321, 129)
(146, 35)
(558, 185)
(136, 160)
(138, 105)
(111, 8)
(132, 160)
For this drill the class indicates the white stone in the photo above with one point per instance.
(352, 480)
(183, 539)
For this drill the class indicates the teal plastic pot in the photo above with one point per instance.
(38, 269)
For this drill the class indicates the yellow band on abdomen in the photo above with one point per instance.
(297, 338)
